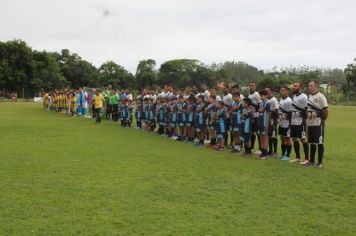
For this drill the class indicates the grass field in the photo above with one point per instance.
(66, 176)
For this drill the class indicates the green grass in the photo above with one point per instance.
(66, 176)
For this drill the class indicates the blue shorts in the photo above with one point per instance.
(245, 137)
(200, 127)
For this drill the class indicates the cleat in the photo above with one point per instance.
(319, 166)
(285, 158)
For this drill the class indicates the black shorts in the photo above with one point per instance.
(297, 131)
(227, 124)
(316, 134)
(254, 125)
(245, 137)
(284, 132)
(272, 132)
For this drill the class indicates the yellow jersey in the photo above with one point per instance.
(98, 101)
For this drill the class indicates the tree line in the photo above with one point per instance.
(32, 71)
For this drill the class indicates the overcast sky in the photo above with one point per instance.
(262, 33)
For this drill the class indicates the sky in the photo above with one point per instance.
(317, 33)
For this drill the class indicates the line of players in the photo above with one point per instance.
(298, 121)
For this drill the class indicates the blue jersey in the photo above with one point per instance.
(84, 98)
(199, 114)
(138, 113)
(265, 108)
(211, 109)
(236, 116)
(161, 111)
(190, 114)
(79, 98)
(150, 112)
(220, 121)
(246, 121)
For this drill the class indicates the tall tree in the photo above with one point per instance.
(350, 71)
(146, 75)
(16, 66)
(77, 71)
(116, 75)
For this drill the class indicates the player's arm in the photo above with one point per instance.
(325, 113)
(213, 117)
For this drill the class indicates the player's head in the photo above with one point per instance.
(212, 98)
(284, 91)
(247, 102)
(252, 87)
(263, 94)
(225, 89)
(202, 87)
(270, 92)
(201, 98)
(236, 96)
(220, 104)
(297, 87)
(313, 86)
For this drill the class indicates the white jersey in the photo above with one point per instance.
(285, 109)
(316, 104)
(206, 94)
(227, 99)
(300, 104)
(256, 100)
(274, 108)
(129, 97)
(274, 103)
(168, 94)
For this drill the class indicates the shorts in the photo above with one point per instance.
(200, 127)
(180, 119)
(272, 132)
(212, 126)
(254, 125)
(316, 134)
(262, 131)
(297, 131)
(284, 132)
(245, 137)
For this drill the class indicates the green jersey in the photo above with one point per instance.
(114, 99)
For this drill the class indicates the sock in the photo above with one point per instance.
(270, 144)
(306, 150)
(284, 148)
(320, 153)
(275, 144)
(264, 153)
(289, 149)
(297, 149)
(213, 141)
(259, 142)
(312, 153)
(253, 140)
(238, 147)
